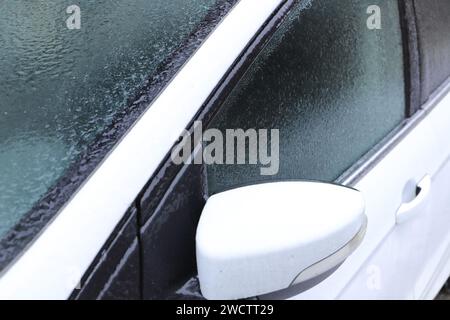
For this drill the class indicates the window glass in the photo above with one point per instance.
(433, 24)
(64, 76)
(331, 80)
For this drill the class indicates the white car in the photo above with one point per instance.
(224, 149)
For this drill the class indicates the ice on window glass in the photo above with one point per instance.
(60, 86)
(333, 87)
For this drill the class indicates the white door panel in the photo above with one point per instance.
(403, 249)
(437, 269)
(394, 271)
(438, 245)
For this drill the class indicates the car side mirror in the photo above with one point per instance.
(268, 237)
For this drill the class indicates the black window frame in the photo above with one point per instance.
(411, 57)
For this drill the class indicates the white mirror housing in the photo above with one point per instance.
(268, 237)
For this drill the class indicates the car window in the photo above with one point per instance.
(331, 80)
(433, 29)
(69, 72)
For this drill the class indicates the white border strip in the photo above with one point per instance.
(52, 266)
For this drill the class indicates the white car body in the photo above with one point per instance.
(407, 260)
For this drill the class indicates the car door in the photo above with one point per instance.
(412, 261)
(336, 91)
(344, 97)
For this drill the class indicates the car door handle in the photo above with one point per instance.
(409, 210)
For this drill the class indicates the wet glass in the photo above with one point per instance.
(61, 87)
(331, 85)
